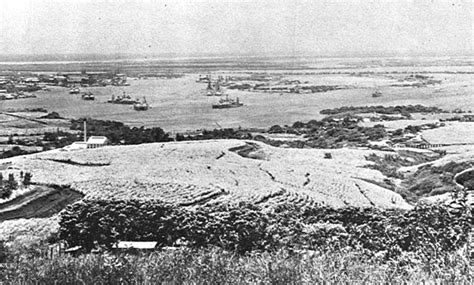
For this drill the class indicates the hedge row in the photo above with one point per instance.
(246, 227)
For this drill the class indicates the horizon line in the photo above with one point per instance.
(177, 56)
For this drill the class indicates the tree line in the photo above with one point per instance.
(247, 227)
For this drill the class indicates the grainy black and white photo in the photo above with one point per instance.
(236, 141)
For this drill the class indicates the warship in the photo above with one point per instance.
(88, 96)
(141, 106)
(74, 90)
(377, 93)
(226, 103)
(123, 99)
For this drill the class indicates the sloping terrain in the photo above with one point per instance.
(216, 171)
(41, 202)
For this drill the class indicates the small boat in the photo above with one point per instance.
(74, 90)
(88, 96)
(227, 102)
(141, 106)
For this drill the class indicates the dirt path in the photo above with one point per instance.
(42, 202)
(24, 118)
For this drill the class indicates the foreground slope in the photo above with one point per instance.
(215, 171)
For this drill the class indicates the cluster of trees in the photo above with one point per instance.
(389, 164)
(58, 139)
(246, 227)
(404, 110)
(329, 133)
(416, 129)
(8, 186)
(431, 180)
(227, 133)
(118, 133)
(428, 180)
(50, 140)
(14, 151)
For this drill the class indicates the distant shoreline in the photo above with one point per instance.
(70, 59)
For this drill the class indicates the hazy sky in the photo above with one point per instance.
(188, 27)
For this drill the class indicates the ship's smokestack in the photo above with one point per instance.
(85, 131)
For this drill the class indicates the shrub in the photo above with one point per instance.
(7, 187)
(276, 129)
(27, 179)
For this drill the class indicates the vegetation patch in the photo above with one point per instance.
(15, 151)
(431, 180)
(245, 227)
(388, 110)
(217, 266)
(428, 180)
(118, 133)
(11, 184)
(329, 133)
(466, 179)
(226, 133)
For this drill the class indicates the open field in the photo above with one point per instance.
(452, 133)
(208, 172)
(28, 124)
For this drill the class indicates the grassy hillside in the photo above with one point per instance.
(215, 172)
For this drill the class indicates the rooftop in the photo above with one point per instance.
(97, 140)
(135, 244)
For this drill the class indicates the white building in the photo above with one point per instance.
(96, 141)
(92, 142)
